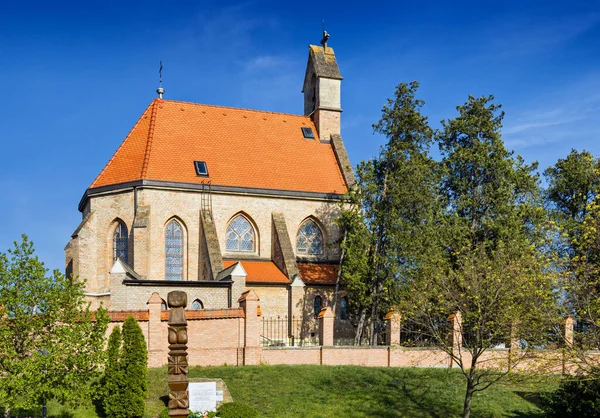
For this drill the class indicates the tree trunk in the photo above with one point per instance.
(360, 327)
(337, 281)
(468, 397)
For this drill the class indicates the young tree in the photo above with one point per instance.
(395, 192)
(51, 345)
(113, 399)
(134, 366)
(492, 270)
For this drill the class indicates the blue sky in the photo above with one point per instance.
(75, 76)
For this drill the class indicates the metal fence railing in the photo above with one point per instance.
(282, 331)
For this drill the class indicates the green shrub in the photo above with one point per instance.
(112, 381)
(236, 410)
(577, 397)
(164, 413)
(134, 363)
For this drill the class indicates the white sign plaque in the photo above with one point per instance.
(203, 396)
(219, 396)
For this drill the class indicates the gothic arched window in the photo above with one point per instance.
(240, 235)
(309, 239)
(120, 244)
(197, 305)
(163, 305)
(344, 308)
(174, 251)
(318, 305)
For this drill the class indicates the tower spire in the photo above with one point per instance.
(160, 89)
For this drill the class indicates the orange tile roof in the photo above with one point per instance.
(242, 148)
(318, 273)
(260, 271)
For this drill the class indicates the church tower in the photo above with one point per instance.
(322, 83)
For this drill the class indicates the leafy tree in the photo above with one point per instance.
(384, 221)
(572, 185)
(134, 366)
(572, 196)
(491, 266)
(51, 345)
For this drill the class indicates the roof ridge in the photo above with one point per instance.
(122, 144)
(237, 108)
(150, 138)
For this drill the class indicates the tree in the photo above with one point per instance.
(125, 380)
(491, 266)
(384, 218)
(572, 185)
(572, 198)
(51, 344)
(134, 365)
(113, 400)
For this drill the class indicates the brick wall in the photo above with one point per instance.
(231, 336)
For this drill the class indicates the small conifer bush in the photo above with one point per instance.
(577, 397)
(125, 381)
(134, 364)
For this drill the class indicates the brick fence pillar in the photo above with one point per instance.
(569, 323)
(249, 303)
(455, 334)
(326, 318)
(392, 330)
(569, 342)
(154, 330)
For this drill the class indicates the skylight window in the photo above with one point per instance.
(308, 133)
(201, 168)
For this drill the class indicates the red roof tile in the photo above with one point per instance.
(260, 271)
(242, 148)
(318, 273)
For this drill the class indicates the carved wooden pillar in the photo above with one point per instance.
(178, 360)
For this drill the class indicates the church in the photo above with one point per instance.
(216, 200)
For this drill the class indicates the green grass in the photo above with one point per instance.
(345, 391)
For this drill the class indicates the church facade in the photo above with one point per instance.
(216, 200)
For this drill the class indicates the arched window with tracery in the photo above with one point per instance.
(120, 243)
(240, 235)
(318, 305)
(344, 308)
(174, 251)
(197, 305)
(309, 239)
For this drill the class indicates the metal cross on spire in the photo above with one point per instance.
(325, 37)
(160, 89)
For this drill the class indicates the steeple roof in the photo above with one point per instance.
(241, 148)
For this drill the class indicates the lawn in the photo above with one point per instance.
(345, 391)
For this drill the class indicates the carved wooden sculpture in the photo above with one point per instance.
(178, 360)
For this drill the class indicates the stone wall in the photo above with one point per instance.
(91, 252)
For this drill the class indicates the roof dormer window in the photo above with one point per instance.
(308, 132)
(201, 168)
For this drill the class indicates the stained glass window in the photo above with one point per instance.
(174, 251)
(318, 304)
(309, 239)
(197, 305)
(240, 235)
(344, 308)
(120, 242)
